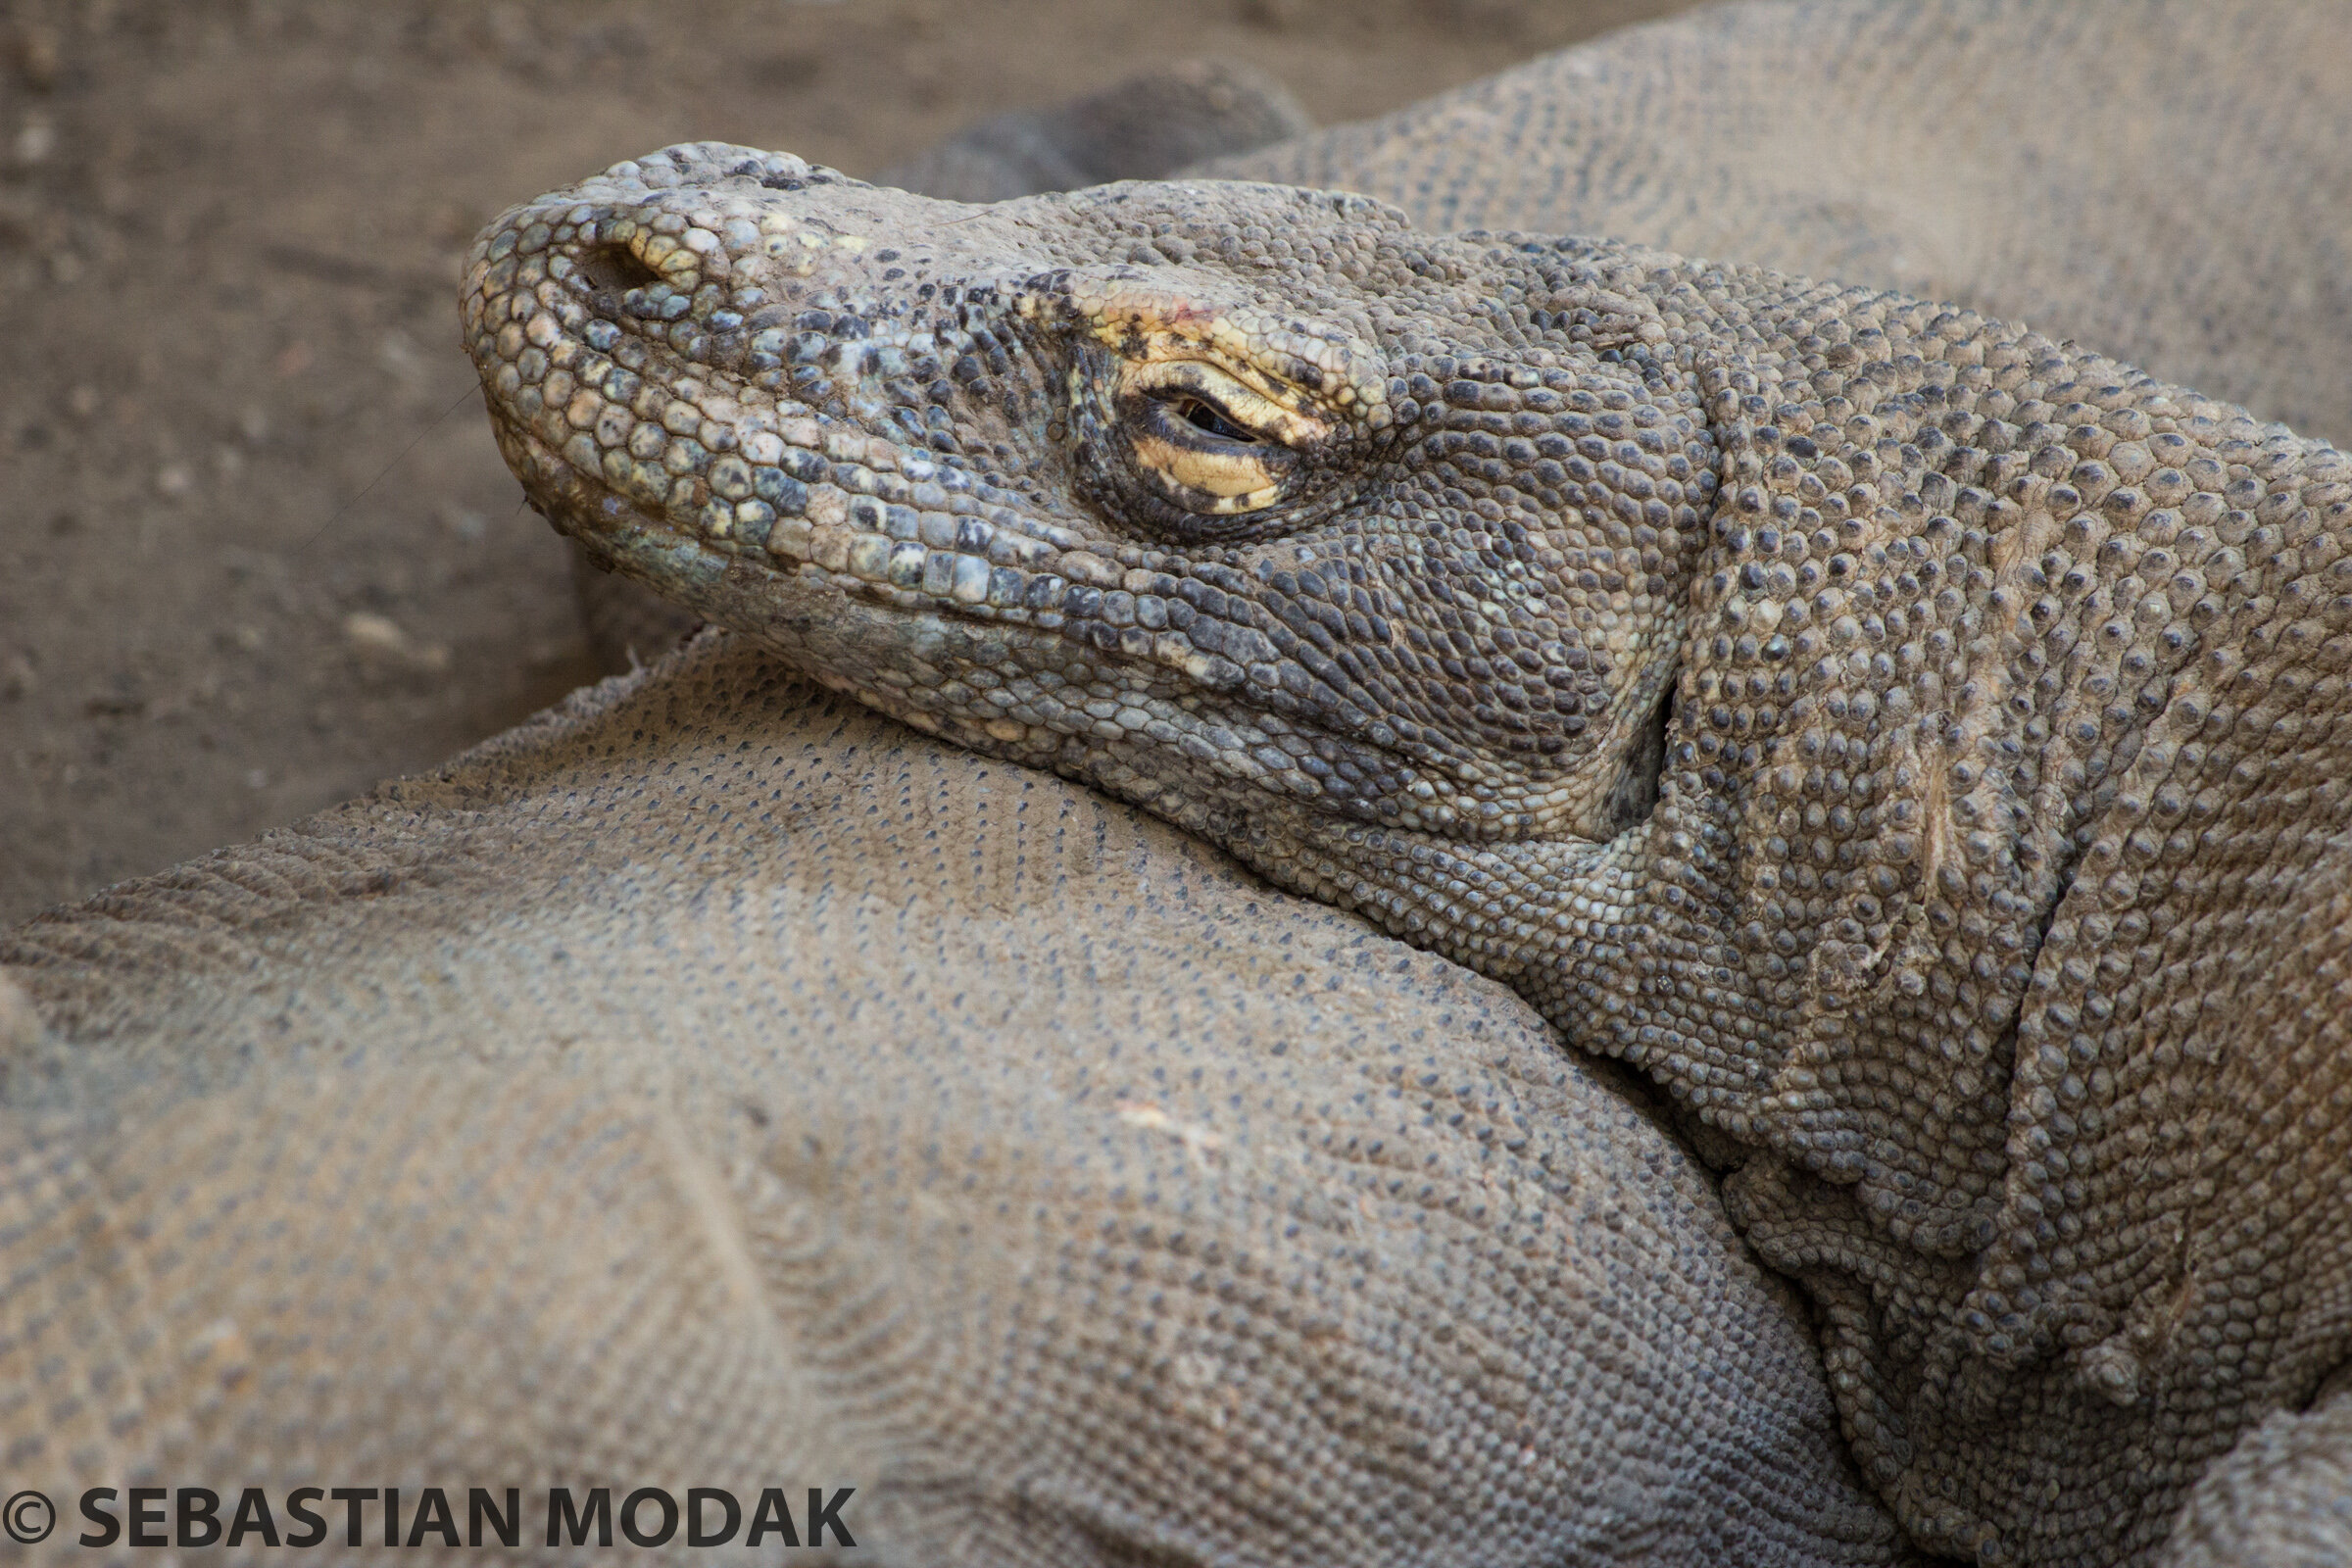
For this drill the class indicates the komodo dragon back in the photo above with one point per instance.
(2167, 181)
(1893, 731)
(678, 1092)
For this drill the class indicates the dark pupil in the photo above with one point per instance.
(1207, 416)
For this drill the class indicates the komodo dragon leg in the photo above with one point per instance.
(1892, 731)
(712, 1083)
(2281, 1499)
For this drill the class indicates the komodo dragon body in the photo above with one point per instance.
(556, 988)
(1890, 730)
(680, 1092)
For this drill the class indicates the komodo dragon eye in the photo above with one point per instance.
(1203, 415)
(1206, 444)
(1222, 446)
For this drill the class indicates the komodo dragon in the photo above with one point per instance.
(679, 1090)
(413, 963)
(311, 923)
(1890, 730)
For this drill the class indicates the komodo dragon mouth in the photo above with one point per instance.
(1218, 525)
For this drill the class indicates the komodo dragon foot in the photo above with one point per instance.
(1895, 733)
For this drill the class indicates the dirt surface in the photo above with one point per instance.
(257, 549)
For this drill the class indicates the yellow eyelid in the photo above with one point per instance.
(1256, 407)
(1239, 481)
(1319, 371)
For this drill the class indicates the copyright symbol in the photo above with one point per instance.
(27, 1517)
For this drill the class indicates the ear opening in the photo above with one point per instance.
(1634, 795)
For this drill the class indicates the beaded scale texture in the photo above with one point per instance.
(1877, 724)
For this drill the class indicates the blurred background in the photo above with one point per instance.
(257, 549)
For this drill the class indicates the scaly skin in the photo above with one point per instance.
(1889, 730)
(681, 1091)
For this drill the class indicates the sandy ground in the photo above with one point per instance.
(256, 547)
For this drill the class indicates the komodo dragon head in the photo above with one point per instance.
(1877, 723)
(1241, 502)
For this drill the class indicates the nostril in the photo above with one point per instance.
(616, 269)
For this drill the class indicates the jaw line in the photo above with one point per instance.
(826, 623)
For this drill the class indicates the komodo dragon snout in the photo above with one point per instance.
(1891, 731)
(1168, 486)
